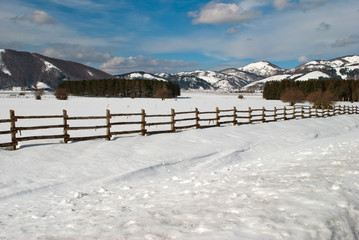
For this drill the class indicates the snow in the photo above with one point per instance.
(260, 68)
(42, 85)
(293, 179)
(3, 67)
(312, 75)
(49, 66)
(352, 59)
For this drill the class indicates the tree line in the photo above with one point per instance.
(343, 90)
(138, 88)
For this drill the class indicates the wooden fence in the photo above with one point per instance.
(172, 122)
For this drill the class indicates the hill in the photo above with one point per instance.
(24, 69)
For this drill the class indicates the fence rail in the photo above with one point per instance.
(210, 119)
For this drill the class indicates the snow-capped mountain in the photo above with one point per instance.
(344, 67)
(262, 68)
(226, 80)
(24, 69)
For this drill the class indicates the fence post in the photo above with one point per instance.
(328, 111)
(249, 115)
(66, 135)
(234, 116)
(322, 111)
(285, 113)
(316, 111)
(173, 114)
(197, 118)
(310, 112)
(356, 109)
(293, 116)
(143, 122)
(275, 114)
(108, 125)
(217, 117)
(302, 112)
(13, 129)
(263, 115)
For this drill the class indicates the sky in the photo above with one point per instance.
(121, 36)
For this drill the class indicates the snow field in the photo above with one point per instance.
(284, 180)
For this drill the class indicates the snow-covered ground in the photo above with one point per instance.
(285, 180)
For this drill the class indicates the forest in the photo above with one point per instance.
(344, 90)
(138, 88)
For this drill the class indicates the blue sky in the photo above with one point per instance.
(120, 36)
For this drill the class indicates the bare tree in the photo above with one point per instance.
(61, 94)
(321, 99)
(292, 96)
(39, 93)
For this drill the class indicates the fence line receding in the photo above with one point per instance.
(115, 124)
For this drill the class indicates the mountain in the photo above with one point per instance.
(24, 69)
(346, 67)
(262, 68)
(225, 80)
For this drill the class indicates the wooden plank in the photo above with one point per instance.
(124, 123)
(158, 123)
(177, 113)
(256, 115)
(5, 144)
(159, 115)
(86, 117)
(39, 127)
(158, 132)
(38, 117)
(125, 114)
(39, 137)
(258, 109)
(241, 111)
(87, 127)
(243, 123)
(5, 120)
(229, 110)
(207, 112)
(126, 132)
(87, 138)
(256, 120)
(5, 132)
(226, 122)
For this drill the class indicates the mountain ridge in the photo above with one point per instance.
(24, 69)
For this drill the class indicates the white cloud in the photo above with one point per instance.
(303, 59)
(281, 4)
(142, 63)
(78, 53)
(309, 4)
(342, 42)
(223, 13)
(37, 16)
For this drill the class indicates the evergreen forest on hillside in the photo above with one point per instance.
(121, 88)
(345, 90)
